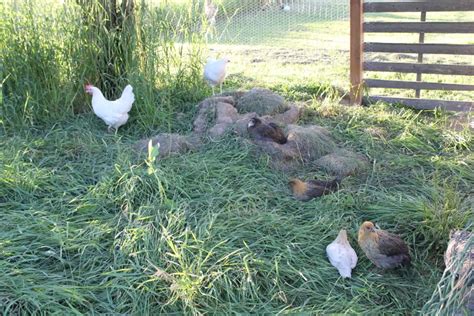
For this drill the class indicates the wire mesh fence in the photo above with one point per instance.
(247, 21)
(273, 42)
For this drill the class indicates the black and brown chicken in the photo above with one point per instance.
(384, 249)
(265, 131)
(307, 190)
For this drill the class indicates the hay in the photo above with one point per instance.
(262, 102)
(171, 143)
(454, 294)
(311, 142)
(304, 145)
(307, 145)
(342, 163)
(454, 251)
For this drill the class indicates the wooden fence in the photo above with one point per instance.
(358, 47)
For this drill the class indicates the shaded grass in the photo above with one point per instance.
(87, 229)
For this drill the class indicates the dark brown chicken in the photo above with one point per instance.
(261, 131)
(305, 191)
(384, 249)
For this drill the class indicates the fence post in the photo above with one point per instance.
(420, 55)
(357, 51)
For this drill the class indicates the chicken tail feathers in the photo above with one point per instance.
(126, 99)
(333, 185)
(345, 272)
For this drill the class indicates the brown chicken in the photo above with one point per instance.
(261, 131)
(305, 191)
(384, 249)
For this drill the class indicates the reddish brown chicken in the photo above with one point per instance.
(305, 191)
(262, 131)
(384, 249)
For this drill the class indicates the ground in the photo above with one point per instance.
(89, 226)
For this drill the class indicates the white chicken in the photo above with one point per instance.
(215, 72)
(113, 113)
(342, 255)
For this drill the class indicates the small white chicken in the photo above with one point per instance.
(215, 72)
(341, 255)
(113, 113)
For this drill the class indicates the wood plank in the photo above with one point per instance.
(356, 51)
(430, 6)
(426, 104)
(463, 70)
(417, 27)
(397, 84)
(421, 39)
(454, 49)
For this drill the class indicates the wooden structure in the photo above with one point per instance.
(358, 47)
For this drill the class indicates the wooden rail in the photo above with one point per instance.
(453, 49)
(426, 104)
(359, 47)
(429, 5)
(397, 84)
(463, 70)
(418, 27)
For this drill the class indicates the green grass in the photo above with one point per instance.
(88, 229)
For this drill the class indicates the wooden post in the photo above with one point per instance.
(420, 55)
(357, 51)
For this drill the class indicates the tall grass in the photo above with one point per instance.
(50, 50)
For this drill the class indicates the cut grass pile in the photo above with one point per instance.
(87, 229)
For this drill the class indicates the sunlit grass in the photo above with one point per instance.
(270, 47)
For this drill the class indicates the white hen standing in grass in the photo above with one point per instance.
(215, 72)
(341, 255)
(113, 113)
